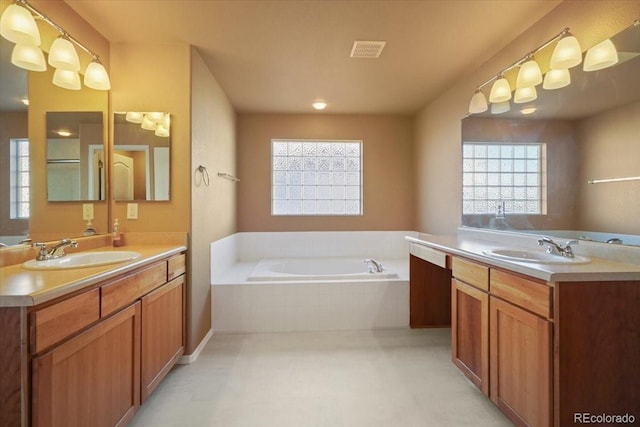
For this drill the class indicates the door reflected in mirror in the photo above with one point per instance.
(141, 156)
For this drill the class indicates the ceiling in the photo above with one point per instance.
(280, 56)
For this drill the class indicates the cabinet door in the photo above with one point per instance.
(520, 364)
(92, 379)
(429, 294)
(163, 333)
(470, 333)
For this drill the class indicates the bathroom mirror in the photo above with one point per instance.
(75, 156)
(14, 140)
(588, 138)
(141, 156)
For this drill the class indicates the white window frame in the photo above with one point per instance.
(311, 177)
(19, 191)
(512, 182)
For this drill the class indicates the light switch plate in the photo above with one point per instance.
(87, 211)
(132, 211)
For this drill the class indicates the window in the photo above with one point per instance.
(510, 176)
(19, 179)
(316, 177)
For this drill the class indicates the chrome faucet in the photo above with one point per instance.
(57, 251)
(556, 249)
(615, 241)
(374, 266)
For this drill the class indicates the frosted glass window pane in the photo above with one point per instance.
(493, 179)
(518, 165)
(493, 165)
(493, 193)
(480, 151)
(467, 207)
(467, 179)
(480, 165)
(506, 151)
(533, 193)
(310, 178)
(506, 165)
(506, 179)
(519, 152)
(493, 151)
(533, 166)
(518, 179)
(533, 152)
(532, 179)
(506, 193)
(480, 179)
(519, 193)
(467, 193)
(481, 192)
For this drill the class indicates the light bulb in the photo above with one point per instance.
(478, 103)
(28, 57)
(529, 75)
(566, 54)
(555, 79)
(602, 55)
(500, 91)
(18, 26)
(67, 79)
(96, 76)
(319, 105)
(63, 55)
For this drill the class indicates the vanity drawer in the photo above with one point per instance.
(126, 290)
(526, 293)
(177, 266)
(471, 273)
(58, 321)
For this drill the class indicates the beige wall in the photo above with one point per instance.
(437, 127)
(613, 135)
(213, 206)
(387, 169)
(12, 125)
(138, 85)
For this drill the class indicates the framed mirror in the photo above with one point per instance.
(141, 156)
(583, 179)
(75, 156)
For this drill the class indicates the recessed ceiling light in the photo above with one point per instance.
(528, 110)
(64, 132)
(319, 105)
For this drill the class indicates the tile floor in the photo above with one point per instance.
(369, 378)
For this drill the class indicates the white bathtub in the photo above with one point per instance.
(302, 269)
(275, 282)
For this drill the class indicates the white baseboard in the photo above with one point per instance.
(190, 358)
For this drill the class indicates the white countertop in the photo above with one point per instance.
(20, 287)
(472, 247)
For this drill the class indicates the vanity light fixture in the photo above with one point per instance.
(161, 131)
(155, 116)
(134, 117)
(148, 124)
(500, 107)
(528, 110)
(64, 132)
(18, 25)
(25, 101)
(600, 56)
(529, 76)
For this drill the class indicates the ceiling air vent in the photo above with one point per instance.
(367, 49)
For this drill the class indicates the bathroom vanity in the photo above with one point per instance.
(545, 342)
(87, 346)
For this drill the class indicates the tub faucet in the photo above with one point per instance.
(374, 266)
(57, 251)
(554, 248)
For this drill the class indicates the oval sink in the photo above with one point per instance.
(538, 257)
(82, 260)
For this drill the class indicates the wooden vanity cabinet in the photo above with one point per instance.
(470, 321)
(429, 288)
(96, 356)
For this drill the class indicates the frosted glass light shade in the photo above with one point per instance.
(28, 57)
(67, 79)
(500, 107)
(148, 124)
(166, 121)
(500, 91)
(555, 79)
(525, 94)
(96, 77)
(529, 75)
(162, 131)
(18, 26)
(566, 54)
(478, 103)
(134, 117)
(155, 116)
(602, 55)
(63, 55)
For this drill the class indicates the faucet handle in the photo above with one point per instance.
(42, 255)
(572, 242)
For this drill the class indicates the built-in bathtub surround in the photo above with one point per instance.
(307, 281)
